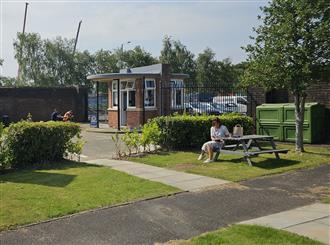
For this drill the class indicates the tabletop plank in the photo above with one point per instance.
(249, 137)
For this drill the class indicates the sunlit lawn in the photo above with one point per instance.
(33, 195)
(248, 235)
(234, 168)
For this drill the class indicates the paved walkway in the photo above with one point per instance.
(311, 221)
(180, 216)
(181, 180)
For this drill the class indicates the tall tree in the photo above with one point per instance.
(207, 69)
(178, 56)
(291, 47)
(105, 62)
(7, 81)
(50, 62)
(138, 57)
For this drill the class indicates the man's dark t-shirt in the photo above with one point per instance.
(54, 116)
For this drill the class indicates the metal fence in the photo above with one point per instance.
(209, 100)
(103, 106)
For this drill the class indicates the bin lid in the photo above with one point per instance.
(307, 105)
(279, 105)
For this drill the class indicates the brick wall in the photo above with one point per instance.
(40, 102)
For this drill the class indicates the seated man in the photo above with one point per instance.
(55, 116)
(218, 132)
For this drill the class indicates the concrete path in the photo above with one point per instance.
(180, 216)
(181, 180)
(311, 221)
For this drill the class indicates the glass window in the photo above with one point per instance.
(178, 97)
(177, 93)
(123, 84)
(130, 85)
(150, 84)
(114, 85)
(149, 99)
(131, 98)
(114, 98)
(150, 93)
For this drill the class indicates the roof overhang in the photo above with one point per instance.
(115, 76)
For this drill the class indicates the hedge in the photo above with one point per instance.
(29, 143)
(185, 131)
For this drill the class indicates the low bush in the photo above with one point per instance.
(185, 131)
(3, 153)
(29, 143)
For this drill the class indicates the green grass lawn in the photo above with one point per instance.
(33, 195)
(326, 200)
(234, 168)
(248, 235)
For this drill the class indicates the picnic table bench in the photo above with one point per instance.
(243, 146)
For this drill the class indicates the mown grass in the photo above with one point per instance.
(234, 168)
(326, 200)
(29, 196)
(247, 235)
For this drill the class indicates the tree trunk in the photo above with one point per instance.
(299, 102)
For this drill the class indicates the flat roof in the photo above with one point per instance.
(114, 76)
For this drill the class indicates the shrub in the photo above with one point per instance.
(132, 141)
(150, 135)
(29, 143)
(185, 131)
(3, 152)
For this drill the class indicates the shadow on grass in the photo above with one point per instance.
(317, 153)
(38, 178)
(273, 163)
(31, 175)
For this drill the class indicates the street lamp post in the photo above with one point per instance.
(121, 62)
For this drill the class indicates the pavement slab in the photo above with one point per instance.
(179, 216)
(311, 221)
(181, 180)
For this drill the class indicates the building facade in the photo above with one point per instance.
(141, 93)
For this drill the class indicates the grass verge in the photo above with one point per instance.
(247, 235)
(29, 196)
(326, 200)
(234, 168)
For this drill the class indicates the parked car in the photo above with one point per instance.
(230, 107)
(201, 108)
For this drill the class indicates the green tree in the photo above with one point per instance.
(29, 55)
(7, 81)
(105, 62)
(178, 56)
(290, 49)
(51, 62)
(138, 57)
(207, 68)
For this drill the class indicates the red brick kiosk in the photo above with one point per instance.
(138, 94)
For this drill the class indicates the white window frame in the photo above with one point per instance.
(146, 89)
(174, 89)
(113, 90)
(128, 89)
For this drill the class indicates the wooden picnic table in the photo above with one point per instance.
(243, 146)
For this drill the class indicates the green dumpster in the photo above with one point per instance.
(278, 120)
(270, 120)
(313, 125)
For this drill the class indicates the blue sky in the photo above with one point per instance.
(224, 26)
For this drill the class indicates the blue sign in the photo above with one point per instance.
(93, 122)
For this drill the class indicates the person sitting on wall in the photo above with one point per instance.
(218, 132)
(68, 116)
(55, 116)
